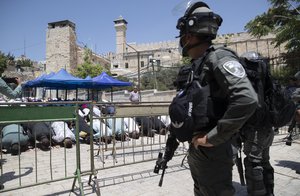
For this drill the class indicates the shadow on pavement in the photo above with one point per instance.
(289, 164)
(11, 175)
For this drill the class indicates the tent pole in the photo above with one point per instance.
(66, 94)
(111, 94)
(76, 94)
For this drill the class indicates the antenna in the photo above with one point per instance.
(24, 46)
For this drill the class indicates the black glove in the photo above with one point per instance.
(171, 147)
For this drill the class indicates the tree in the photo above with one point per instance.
(88, 68)
(5, 60)
(282, 19)
(24, 62)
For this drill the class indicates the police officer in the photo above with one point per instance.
(257, 141)
(210, 152)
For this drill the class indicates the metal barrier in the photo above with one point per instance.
(113, 147)
(125, 148)
(36, 167)
(42, 166)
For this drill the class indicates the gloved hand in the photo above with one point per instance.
(171, 147)
(162, 162)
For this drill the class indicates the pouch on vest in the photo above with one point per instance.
(188, 111)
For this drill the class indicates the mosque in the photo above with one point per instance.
(62, 50)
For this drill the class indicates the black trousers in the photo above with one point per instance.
(259, 172)
(211, 170)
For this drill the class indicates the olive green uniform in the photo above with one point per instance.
(211, 167)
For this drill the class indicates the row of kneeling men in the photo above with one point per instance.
(16, 138)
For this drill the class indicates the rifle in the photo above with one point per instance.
(160, 164)
(239, 166)
(237, 145)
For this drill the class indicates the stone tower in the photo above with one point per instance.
(121, 27)
(61, 47)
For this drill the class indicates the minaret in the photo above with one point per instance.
(121, 27)
(61, 47)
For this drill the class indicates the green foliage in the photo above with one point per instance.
(24, 63)
(161, 80)
(88, 68)
(125, 79)
(164, 77)
(282, 19)
(5, 60)
(185, 61)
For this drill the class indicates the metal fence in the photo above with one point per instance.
(115, 144)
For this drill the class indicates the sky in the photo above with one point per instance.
(23, 23)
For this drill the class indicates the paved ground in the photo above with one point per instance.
(139, 179)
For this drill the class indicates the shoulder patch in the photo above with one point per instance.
(234, 68)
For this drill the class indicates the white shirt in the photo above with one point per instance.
(134, 97)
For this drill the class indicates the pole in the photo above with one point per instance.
(139, 74)
(139, 77)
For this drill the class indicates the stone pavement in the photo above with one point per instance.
(139, 179)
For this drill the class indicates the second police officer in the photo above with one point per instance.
(210, 152)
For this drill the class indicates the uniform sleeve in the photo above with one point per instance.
(241, 97)
(8, 92)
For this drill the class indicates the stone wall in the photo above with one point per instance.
(147, 96)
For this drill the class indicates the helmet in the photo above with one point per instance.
(297, 75)
(255, 56)
(199, 19)
(251, 55)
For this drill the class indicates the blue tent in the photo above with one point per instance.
(106, 81)
(63, 80)
(38, 82)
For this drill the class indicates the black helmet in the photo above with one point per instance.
(297, 75)
(251, 55)
(199, 19)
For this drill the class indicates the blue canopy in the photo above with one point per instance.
(64, 80)
(106, 81)
(60, 80)
(38, 82)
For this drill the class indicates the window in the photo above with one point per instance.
(126, 65)
(115, 66)
(142, 63)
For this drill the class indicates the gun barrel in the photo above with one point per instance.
(240, 170)
(162, 177)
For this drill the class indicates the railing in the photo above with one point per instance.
(35, 167)
(113, 147)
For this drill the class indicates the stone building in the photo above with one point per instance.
(62, 50)
(148, 55)
(166, 54)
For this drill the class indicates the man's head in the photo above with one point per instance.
(135, 89)
(197, 27)
(45, 143)
(67, 143)
(15, 149)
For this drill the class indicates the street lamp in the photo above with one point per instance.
(152, 61)
(139, 79)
